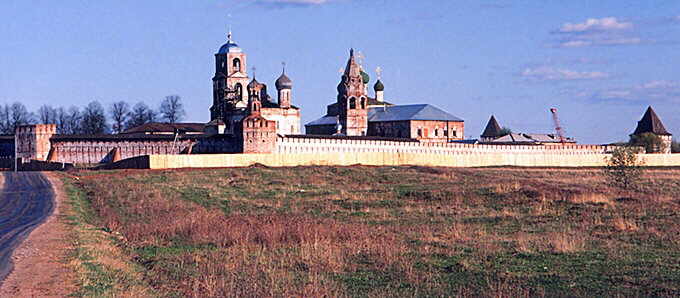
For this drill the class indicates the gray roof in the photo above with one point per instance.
(325, 120)
(547, 138)
(397, 113)
(409, 112)
(513, 138)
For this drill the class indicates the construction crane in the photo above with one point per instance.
(558, 127)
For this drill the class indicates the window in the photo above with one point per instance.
(436, 132)
(352, 103)
(454, 133)
(420, 132)
(236, 64)
(363, 102)
(239, 90)
(446, 133)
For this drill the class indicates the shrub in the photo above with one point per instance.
(623, 167)
(650, 141)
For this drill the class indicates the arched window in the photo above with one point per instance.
(352, 103)
(436, 132)
(239, 90)
(363, 102)
(236, 64)
(420, 132)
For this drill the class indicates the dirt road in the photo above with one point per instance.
(26, 200)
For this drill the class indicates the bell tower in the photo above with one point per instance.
(352, 100)
(230, 80)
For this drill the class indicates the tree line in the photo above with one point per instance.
(93, 118)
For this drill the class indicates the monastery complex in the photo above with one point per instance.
(248, 125)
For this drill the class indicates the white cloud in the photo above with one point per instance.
(603, 24)
(546, 73)
(586, 41)
(290, 3)
(659, 90)
(597, 32)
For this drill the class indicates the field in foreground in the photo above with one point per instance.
(382, 231)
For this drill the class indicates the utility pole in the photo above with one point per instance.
(16, 153)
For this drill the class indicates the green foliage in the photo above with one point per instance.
(675, 147)
(623, 167)
(651, 142)
(506, 131)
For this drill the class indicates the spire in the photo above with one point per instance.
(353, 69)
(650, 122)
(493, 129)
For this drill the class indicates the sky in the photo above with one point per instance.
(600, 63)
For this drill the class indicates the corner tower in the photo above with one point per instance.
(352, 100)
(230, 80)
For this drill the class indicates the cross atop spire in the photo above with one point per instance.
(379, 71)
(284, 66)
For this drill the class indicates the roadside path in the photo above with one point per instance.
(26, 200)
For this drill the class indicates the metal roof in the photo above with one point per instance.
(166, 127)
(424, 112)
(325, 120)
(513, 138)
(229, 47)
(409, 112)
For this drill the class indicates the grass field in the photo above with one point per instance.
(390, 231)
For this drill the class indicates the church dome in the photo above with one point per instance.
(365, 77)
(253, 83)
(379, 86)
(230, 46)
(284, 82)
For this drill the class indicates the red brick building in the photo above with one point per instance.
(356, 114)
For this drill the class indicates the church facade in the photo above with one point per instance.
(356, 114)
(230, 94)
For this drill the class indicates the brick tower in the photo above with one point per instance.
(352, 100)
(230, 80)
(259, 134)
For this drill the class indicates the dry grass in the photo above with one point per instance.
(391, 231)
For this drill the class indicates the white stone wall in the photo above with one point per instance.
(288, 145)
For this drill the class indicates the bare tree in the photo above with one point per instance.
(72, 118)
(14, 115)
(120, 112)
(5, 126)
(141, 114)
(93, 119)
(47, 114)
(172, 109)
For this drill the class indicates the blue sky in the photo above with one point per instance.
(601, 63)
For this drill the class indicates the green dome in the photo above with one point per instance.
(379, 86)
(365, 77)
